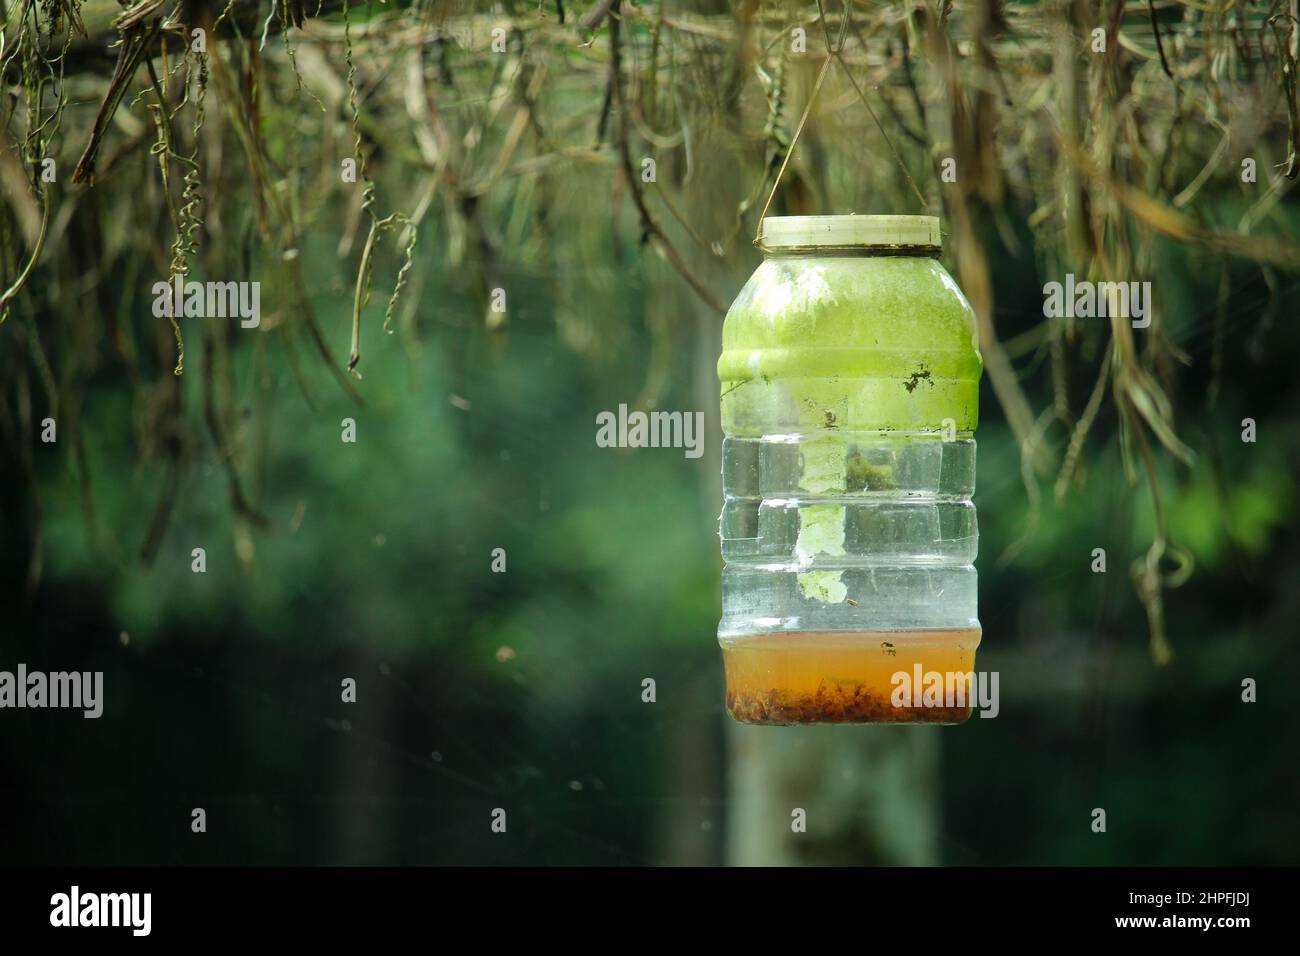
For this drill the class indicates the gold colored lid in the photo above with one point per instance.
(880, 233)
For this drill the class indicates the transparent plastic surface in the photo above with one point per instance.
(848, 529)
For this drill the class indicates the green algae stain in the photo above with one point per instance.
(830, 339)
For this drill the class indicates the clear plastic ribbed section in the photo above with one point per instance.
(834, 530)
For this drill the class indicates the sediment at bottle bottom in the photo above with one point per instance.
(842, 677)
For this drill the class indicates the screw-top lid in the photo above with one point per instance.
(907, 234)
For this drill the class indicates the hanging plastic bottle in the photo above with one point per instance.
(850, 391)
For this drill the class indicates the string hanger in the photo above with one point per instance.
(834, 49)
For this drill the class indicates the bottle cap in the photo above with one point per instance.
(881, 234)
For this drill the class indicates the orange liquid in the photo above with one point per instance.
(841, 677)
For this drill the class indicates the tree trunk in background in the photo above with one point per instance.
(690, 828)
(871, 795)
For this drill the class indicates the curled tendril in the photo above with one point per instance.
(361, 293)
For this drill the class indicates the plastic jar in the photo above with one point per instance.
(850, 389)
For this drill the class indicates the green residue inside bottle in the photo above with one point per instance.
(840, 344)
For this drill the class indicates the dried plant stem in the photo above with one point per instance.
(649, 226)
